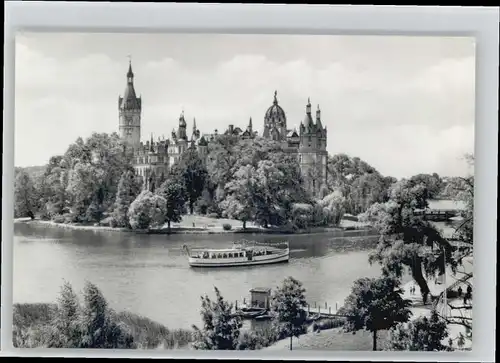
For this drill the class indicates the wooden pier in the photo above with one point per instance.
(314, 310)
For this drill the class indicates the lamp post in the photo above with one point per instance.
(445, 297)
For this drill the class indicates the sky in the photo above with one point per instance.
(403, 104)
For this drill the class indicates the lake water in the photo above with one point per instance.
(149, 274)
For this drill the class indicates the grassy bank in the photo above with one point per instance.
(147, 334)
(196, 224)
(332, 339)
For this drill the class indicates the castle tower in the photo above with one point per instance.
(129, 111)
(312, 151)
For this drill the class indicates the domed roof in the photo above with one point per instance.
(275, 114)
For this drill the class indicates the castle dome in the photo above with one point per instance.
(275, 114)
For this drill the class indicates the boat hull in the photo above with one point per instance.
(281, 258)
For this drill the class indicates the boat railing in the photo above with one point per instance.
(247, 243)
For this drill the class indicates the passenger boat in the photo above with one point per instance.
(242, 253)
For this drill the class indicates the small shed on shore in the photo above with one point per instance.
(260, 297)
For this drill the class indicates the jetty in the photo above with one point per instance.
(258, 307)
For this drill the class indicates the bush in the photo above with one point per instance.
(227, 227)
(59, 219)
(113, 223)
(149, 334)
(257, 339)
(69, 218)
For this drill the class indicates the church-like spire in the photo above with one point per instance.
(129, 99)
(194, 125)
(318, 118)
(130, 74)
(275, 101)
(308, 107)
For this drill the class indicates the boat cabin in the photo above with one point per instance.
(260, 297)
(231, 254)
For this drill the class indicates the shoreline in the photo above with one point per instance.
(335, 339)
(367, 232)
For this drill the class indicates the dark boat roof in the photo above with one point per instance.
(261, 289)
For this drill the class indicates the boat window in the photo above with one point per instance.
(230, 255)
(224, 255)
(219, 256)
(213, 256)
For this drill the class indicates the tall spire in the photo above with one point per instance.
(275, 101)
(130, 74)
(194, 124)
(308, 107)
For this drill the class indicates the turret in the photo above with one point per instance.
(181, 131)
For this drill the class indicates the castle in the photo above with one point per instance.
(153, 159)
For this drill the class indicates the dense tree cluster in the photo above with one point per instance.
(249, 180)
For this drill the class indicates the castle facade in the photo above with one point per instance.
(154, 158)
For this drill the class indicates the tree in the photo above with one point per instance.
(90, 171)
(65, 329)
(462, 189)
(100, 328)
(129, 188)
(221, 330)
(360, 183)
(147, 210)
(53, 184)
(433, 183)
(192, 173)
(335, 204)
(25, 196)
(173, 194)
(375, 304)
(421, 334)
(406, 240)
(240, 191)
(288, 305)
(91, 325)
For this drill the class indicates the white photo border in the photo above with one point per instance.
(479, 22)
